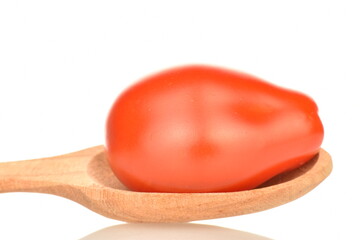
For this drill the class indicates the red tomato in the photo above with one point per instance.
(206, 129)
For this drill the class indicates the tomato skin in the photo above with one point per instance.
(207, 129)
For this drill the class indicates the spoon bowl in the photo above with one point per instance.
(85, 177)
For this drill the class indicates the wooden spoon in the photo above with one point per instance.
(85, 177)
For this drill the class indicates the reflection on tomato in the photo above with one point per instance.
(206, 129)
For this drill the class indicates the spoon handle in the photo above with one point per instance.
(24, 176)
(46, 175)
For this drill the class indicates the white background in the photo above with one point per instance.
(62, 64)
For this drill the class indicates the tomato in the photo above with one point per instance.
(207, 129)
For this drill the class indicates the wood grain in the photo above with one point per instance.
(85, 177)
